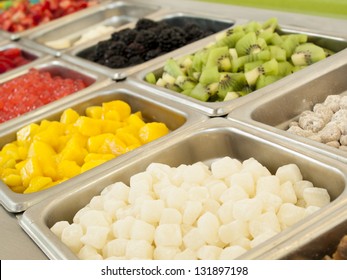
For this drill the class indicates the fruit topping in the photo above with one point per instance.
(239, 61)
(32, 90)
(12, 58)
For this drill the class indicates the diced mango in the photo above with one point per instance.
(40, 149)
(11, 149)
(73, 152)
(30, 170)
(94, 143)
(152, 131)
(6, 161)
(136, 120)
(120, 106)
(8, 171)
(13, 180)
(69, 116)
(94, 112)
(37, 183)
(109, 126)
(112, 115)
(88, 126)
(51, 134)
(94, 156)
(25, 135)
(131, 147)
(113, 145)
(128, 138)
(68, 169)
(91, 164)
(18, 189)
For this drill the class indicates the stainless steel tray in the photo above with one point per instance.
(114, 14)
(206, 141)
(175, 17)
(55, 66)
(274, 111)
(336, 44)
(176, 117)
(29, 53)
(320, 241)
(56, 22)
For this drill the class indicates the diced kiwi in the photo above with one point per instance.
(185, 82)
(219, 57)
(251, 65)
(267, 68)
(230, 38)
(278, 53)
(150, 78)
(238, 63)
(230, 82)
(209, 75)
(249, 44)
(263, 80)
(172, 67)
(285, 68)
(200, 92)
(307, 54)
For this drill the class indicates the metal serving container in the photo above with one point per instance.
(205, 141)
(334, 43)
(113, 14)
(313, 243)
(27, 52)
(274, 111)
(153, 109)
(55, 22)
(54, 66)
(173, 17)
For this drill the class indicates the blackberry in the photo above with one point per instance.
(126, 35)
(145, 23)
(193, 32)
(171, 38)
(153, 54)
(135, 60)
(147, 38)
(116, 61)
(117, 48)
(134, 49)
(160, 27)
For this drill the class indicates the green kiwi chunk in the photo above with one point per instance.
(219, 57)
(306, 54)
(172, 67)
(150, 78)
(230, 82)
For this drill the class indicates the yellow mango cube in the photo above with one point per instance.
(91, 164)
(25, 135)
(30, 170)
(8, 171)
(69, 116)
(94, 112)
(51, 134)
(112, 115)
(136, 120)
(128, 138)
(94, 143)
(13, 180)
(11, 149)
(6, 161)
(152, 131)
(88, 126)
(113, 145)
(109, 126)
(68, 169)
(40, 149)
(73, 152)
(37, 184)
(120, 106)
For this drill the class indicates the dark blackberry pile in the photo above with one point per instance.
(149, 39)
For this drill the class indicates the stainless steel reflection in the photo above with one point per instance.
(337, 44)
(176, 117)
(206, 141)
(54, 66)
(178, 18)
(113, 15)
(273, 112)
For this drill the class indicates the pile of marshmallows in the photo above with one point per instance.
(191, 211)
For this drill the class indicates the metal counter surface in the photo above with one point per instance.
(15, 244)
